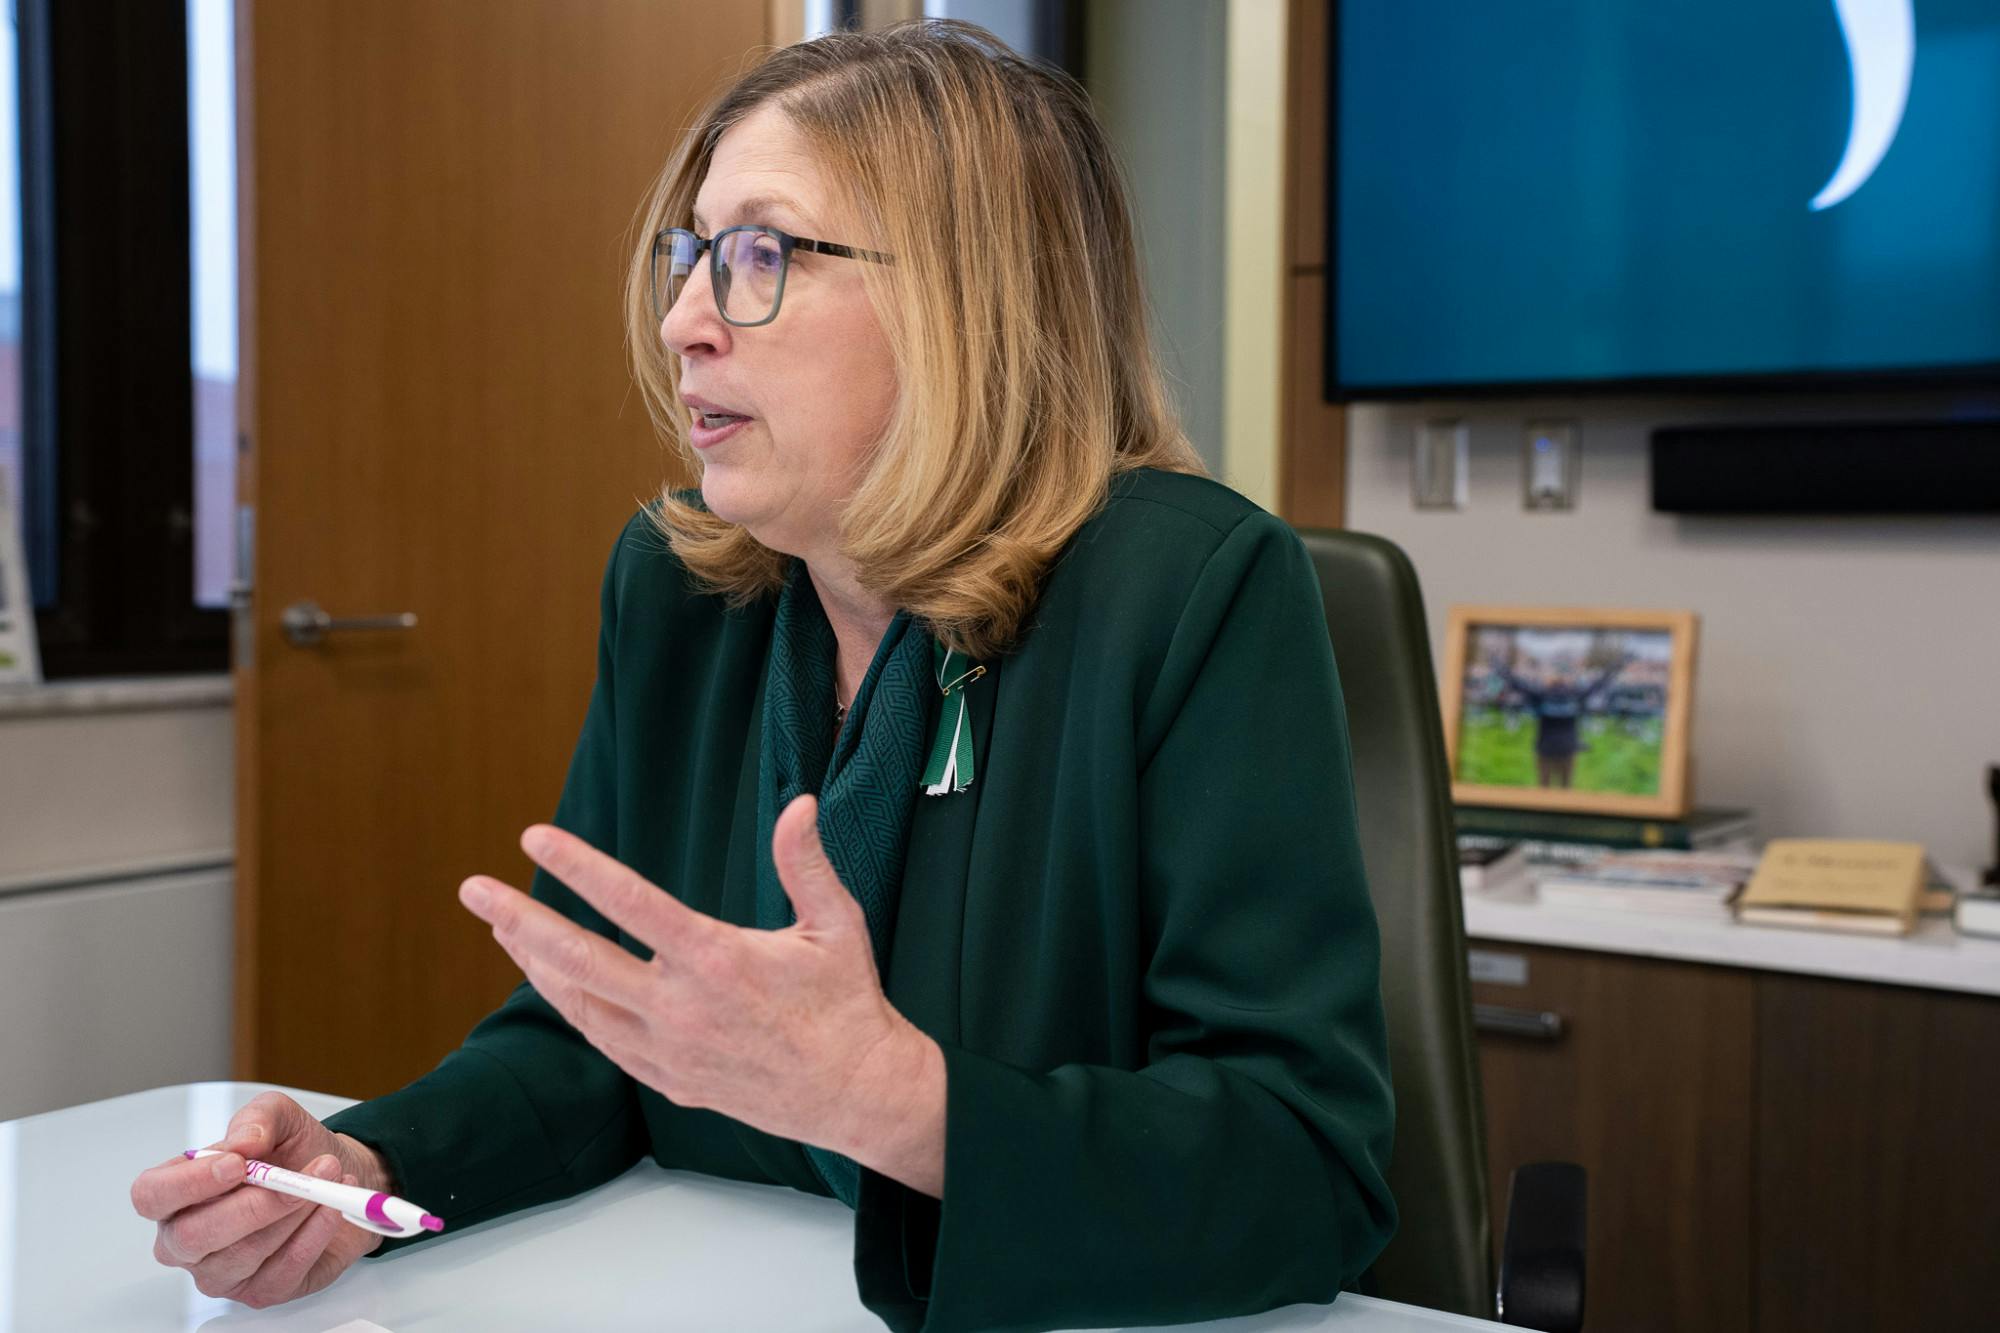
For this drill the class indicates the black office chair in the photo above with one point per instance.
(1441, 1255)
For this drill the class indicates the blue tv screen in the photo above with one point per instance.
(1573, 191)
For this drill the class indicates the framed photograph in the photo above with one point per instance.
(1569, 709)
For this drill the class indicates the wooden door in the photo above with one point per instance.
(1312, 448)
(1651, 1089)
(436, 198)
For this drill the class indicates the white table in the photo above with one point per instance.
(654, 1249)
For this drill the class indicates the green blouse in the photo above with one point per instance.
(1142, 938)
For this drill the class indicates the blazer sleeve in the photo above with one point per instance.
(1242, 1167)
(525, 1111)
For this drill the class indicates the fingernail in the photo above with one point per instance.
(473, 894)
(228, 1167)
(326, 1168)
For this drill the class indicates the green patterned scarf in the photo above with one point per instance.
(867, 783)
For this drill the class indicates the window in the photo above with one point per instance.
(10, 270)
(212, 265)
(123, 457)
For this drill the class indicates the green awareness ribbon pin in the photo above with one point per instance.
(950, 767)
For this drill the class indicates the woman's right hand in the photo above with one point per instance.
(255, 1245)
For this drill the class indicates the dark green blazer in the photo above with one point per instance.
(1142, 938)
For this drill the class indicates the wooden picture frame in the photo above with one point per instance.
(1570, 708)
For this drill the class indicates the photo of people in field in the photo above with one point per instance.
(1564, 708)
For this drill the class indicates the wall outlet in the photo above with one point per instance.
(1549, 465)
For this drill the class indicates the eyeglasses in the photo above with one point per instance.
(747, 266)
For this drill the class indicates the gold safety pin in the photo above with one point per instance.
(965, 679)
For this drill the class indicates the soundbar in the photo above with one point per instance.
(1909, 467)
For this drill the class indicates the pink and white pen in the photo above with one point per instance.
(371, 1210)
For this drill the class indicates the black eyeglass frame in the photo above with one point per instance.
(786, 244)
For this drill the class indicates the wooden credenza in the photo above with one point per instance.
(1767, 1150)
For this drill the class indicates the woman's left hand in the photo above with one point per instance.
(787, 1031)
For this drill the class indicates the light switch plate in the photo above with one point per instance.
(1439, 464)
(1549, 465)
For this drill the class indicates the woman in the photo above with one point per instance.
(965, 778)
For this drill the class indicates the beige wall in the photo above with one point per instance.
(1156, 72)
(113, 989)
(82, 794)
(1845, 686)
(119, 979)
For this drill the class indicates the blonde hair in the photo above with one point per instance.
(1014, 311)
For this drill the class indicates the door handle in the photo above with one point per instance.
(306, 625)
(1538, 1025)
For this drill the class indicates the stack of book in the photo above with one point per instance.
(1501, 850)
(1487, 863)
(1681, 883)
(1978, 911)
(1701, 829)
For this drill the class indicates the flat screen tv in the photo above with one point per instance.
(1579, 194)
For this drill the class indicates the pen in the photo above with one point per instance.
(383, 1214)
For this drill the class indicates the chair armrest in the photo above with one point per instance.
(1541, 1251)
